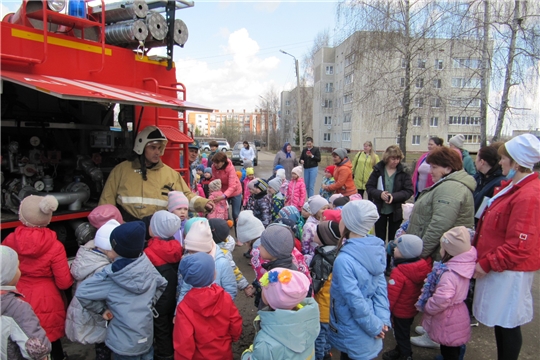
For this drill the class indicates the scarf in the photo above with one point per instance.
(286, 263)
(433, 278)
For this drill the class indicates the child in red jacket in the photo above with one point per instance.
(404, 287)
(44, 267)
(207, 320)
(165, 253)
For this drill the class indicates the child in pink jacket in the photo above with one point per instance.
(221, 208)
(296, 191)
(446, 318)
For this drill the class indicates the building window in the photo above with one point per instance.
(346, 136)
(421, 63)
(327, 120)
(329, 87)
(287, 112)
(402, 82)
(347, 117)
(437, 83)
(329, 70)
(327, 103)
(464, 102)
(404, 63)
(416, 139)
(419, 102)
(347, 98)
(464, 120)
(287, 103)
(434, 122)
(349, 59)
(349, 78)
(326, 137)
(472, 83)
(466, 63)
(435, 102)
(419, 83)
(438, 64)
(417, 121)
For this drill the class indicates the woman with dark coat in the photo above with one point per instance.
(489, 174)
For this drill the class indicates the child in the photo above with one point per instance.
(220, 233)
(446, 318)
(84, 326)
(331, 215)
(288, 327)
(327, 237)
(333, 198)
(102, 214)
(277, 198)
(125, 292)
(317, 204)
(359, 309)
(404, 287)
(221, 208)
(248, 230)
(206, 179)
(199, 171)
(204, 160)
(179, 206)
(207, 320)
(340, 202)
(274, 173)
(44, 266)
(246, 165)
(280, 174)
(328, 179)
(296, 192)
(164, 253)
(250, 175)
(22, 335)
(292, 213)
(260, 204)
(199, 239)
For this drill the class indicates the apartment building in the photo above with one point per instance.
(359, 86)
(205, 124)
(289, 113)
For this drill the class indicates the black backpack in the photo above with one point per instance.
(321, 266)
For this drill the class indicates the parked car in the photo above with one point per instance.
(222, 145)
(236, 153)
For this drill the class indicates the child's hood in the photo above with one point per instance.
(87, 262)
(416, 271)
(137, 277)
(464, 263)
(207, 301)
(294, 329)
(368, 251)
(33, 241)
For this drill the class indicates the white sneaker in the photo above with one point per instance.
(420, 330)
(424, 341)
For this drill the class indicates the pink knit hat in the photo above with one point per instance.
(199, 238)
(177, 200)
(283, 288)
(298, 170)
(456, 241)
(103, 213)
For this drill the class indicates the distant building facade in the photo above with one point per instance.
(289, 113)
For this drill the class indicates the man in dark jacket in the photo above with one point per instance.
(310, 158)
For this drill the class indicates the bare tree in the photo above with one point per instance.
(321, 40)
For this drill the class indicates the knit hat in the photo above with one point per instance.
(177, 200)
(198, 270)
(247, 164)
(278, 240)
(208, 170)
(332, 215)
(277, 167)
(290, 212)
(200, 167)
(36, 211)
(102, 214)
(457, 141)
(456, 241)
(334, 197)
(275, 183)
(190, 222)
(410, 246)
(328, 232)
(360, 216)
(261, 185)
(283, 288)
(330, 169)
(9, 262)
(248, 227)
(524, 149)
(127, 240)
(341, 152)
(287, 222)
(164, 224)
(355, 197)
(215, 185)
(305, 207)
(220, 230)
(280, 173)
(250, 171)
(204, 155)
(297, 170)
(199, 238)
(251, 184)
(102, 239)
(316, 203)
(342, 201)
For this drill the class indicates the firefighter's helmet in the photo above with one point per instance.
(148, 135)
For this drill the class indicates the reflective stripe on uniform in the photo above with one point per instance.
(140, 200)
(192, 202)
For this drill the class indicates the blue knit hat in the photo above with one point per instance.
(198, 270)
(208, 170)
(127, 240)
(200, 167)
(290, 212)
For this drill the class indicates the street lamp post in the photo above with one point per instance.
(298, 100)
(267, 123)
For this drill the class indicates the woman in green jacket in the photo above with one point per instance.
(363, 164)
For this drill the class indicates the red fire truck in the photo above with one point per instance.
(66, 81)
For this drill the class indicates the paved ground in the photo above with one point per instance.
(481, 347)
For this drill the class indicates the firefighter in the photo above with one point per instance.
(139, 187)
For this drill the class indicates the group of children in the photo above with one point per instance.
(164, 287)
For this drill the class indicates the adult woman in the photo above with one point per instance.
(507, 241)
(223, 169)
(421, 178)
(247, 153)
(489, 173)
(344, 184)
(363, 164)
(286, 158)
(397, 188)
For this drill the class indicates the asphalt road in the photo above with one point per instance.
(481, 347)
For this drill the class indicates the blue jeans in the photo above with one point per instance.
(322, 346)
(236, 204)
(310, 176)
(149, 355)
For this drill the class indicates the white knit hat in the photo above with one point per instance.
(103, 235)
(524, 149)
(298, 171)
(9, 263)
(248, 227)
(457, 141)
(280, 173)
